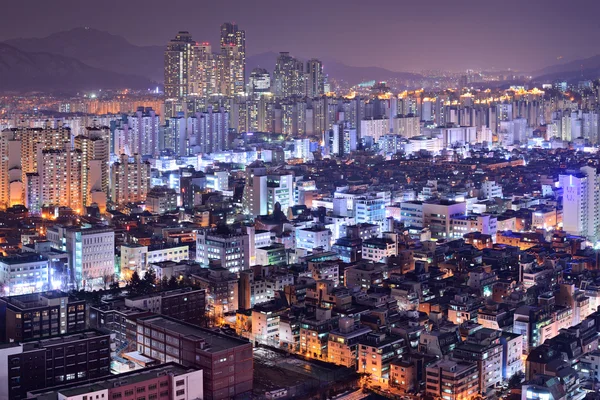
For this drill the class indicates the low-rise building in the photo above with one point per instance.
(452, 380)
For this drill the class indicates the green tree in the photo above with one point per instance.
(114, 288)
(164, 282)
(173, 284)
(515, 380)
(149, 281)
(135, 283)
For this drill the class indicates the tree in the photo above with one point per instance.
(173, 284)
(149, 281)
(107, 280)
(164, 282)
(114, 288)
(515, 380)
(135, 283)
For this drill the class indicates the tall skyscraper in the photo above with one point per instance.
(178, 57)
(315, 81)
(11, 178)
(581, 203)
(94, 169)
(232, 64)
(204, 70)
(288, 77)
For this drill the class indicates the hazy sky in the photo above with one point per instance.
(395, 34)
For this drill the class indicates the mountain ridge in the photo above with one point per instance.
(42, 71)
(99, 49)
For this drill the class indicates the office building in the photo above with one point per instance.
(185, 304)
(137, 257)
(259, 82)
(227, 246)
(166, 381)
(38, 315)
(161, 199)
(54, 361)
(91, 250)
(226, 361)
(24, 273)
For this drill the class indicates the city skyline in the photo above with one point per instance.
(387, 33)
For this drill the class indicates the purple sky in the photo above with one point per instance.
(395, 34)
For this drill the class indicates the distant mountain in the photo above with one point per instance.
(569, 76)
(354, 75)
(576, 70)
(36, 71)
(101, 50)
(333, 68)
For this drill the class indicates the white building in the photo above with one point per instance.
(581, 203)
(91, 251)
(311, 238)
(24, 273)
(228, 247)
(374, 128)
(407, 126)
(490, 190)
(136, 257)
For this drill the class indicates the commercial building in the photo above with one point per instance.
(136, 257)
(226, 361)
(91, 250)
(167, 381)
(186, 305)
(227, 246)
(24, 273)
(38, 315)
(50, 362)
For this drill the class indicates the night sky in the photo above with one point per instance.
(395, 34)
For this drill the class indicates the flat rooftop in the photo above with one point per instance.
(216, 341)
(35, 344)
(109, 382)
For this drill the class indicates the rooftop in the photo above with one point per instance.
(127, 378)
(216, 341)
